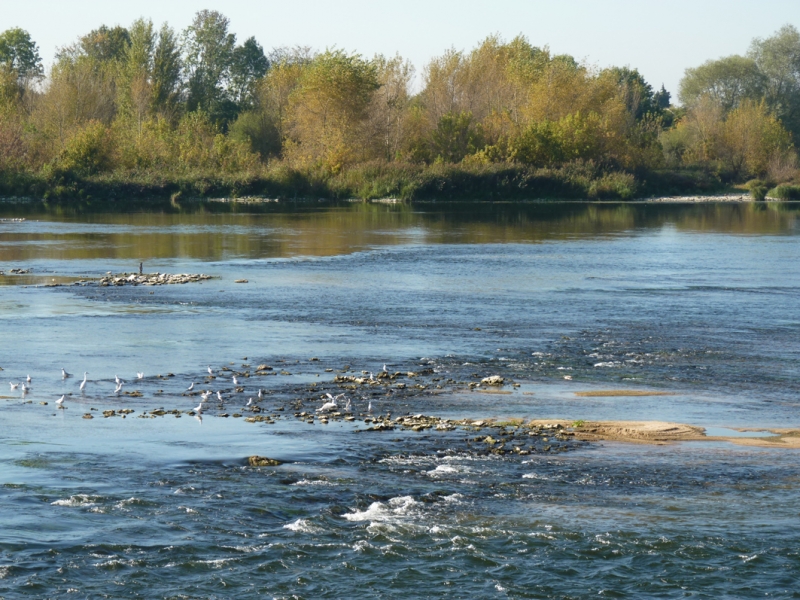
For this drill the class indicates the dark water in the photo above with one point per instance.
(697, 300)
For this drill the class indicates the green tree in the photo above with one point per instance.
(208, 48)
(20, 54)
(778, 61)
(729, 81)
(105, 44)
(248, 65)
(167, 66)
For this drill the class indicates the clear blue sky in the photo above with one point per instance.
(661, 39)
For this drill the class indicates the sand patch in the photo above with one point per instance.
(663, 432)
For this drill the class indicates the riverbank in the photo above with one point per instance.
(404, 182)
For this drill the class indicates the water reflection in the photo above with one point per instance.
(218, 231)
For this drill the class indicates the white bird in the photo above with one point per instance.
(64, 373)
(219, 395)
(117, 379)
(369, 408)
(235, 381)
(260, 394)
(205, 395)
(83, 383)
(210, 372)
(60, 401)
(328, 406)
(249, 402)
(25, 388)
(348, 406)
(190, 388)
(29, 378)
(119, 387)
(199, 409)
(13, 385)
(385, 370)
(139, 375)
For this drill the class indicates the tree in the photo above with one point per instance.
(390, 104)
(208, 48)
(729, 81)
(167, 66)
(777, 59)
(329, 109)
(20, 54)
(248, 65)
(105, 44)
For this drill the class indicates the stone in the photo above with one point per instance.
(493, 380)
(262, 461)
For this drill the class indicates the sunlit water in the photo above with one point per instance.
(700, 301)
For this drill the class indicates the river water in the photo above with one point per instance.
(696, 301)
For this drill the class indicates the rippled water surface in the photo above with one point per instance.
(699, 301)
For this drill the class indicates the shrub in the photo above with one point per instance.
(758, 189)
(786, 192)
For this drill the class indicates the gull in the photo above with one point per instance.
(235, 381)
(205, 395)
(25, 388)
(13, 385)
(199, 409)
(385, 370)
(348, 407)
(260, 394)
(369, 408)
(117, 380)
(29, 378)
(139, 375)
(199, 419)
(60, 401)
(210, 372)
(249, 402)
(328, 406)
(190, 388)
(119, 387)
(219, 395)
(83, 383)
(64, 373)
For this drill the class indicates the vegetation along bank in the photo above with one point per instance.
(145, 112)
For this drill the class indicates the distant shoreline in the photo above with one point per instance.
(689, 199)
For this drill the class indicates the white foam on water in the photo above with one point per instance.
(78, 500)
(302, 526)
(320, 482)
(379, 512)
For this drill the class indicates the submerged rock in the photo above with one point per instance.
(262, 461)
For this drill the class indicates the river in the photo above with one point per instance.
(694, 303)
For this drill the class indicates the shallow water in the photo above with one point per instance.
(696, 300)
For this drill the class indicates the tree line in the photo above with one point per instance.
(151, 104)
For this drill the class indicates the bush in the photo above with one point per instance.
(758, 189)
(786, 192)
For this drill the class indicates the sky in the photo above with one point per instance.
(660, 39)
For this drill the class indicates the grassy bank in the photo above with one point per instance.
(406, 182)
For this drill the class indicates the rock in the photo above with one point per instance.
(88, 416)
(493, 380)
(241, 281)
(262, 461)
